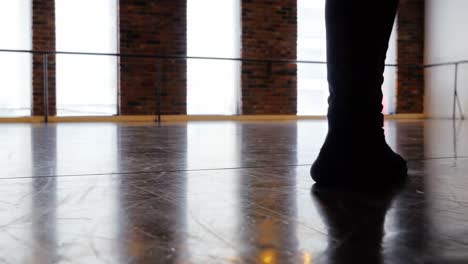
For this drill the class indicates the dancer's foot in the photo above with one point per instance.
(358, 162)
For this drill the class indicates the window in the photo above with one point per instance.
(312, 83)
(213, 30)
(86, 85)
(390, 75)
(15, 68)
(312, 87)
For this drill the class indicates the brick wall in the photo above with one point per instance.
(43, 34)
(410, 84)
(269, 30)
(152, 27)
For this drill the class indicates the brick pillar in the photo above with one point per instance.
(43, 35)
(152, 27)
(269, 30)
(410, 84)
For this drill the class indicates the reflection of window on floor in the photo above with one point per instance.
(15, 68)
(16, 160)
(99, 201)
(213, 197)
(312, 79)
(86, 85)
(213, 30)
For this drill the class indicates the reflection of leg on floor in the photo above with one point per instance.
(355, 225)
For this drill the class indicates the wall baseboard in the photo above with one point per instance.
(25, 119)
(405, 116)
(183, 118)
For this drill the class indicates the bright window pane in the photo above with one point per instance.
(213, 30)
(15, 68)
(390, 75)
(312, 87)
(86, 85)
(312, 83)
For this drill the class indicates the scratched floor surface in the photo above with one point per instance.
(222, 192)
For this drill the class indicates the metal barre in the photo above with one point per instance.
(45, 54)
(180, 57)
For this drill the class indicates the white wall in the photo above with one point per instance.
(446, 40)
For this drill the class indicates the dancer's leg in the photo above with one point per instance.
(355, 152)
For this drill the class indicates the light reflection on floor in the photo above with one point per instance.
(220, 192)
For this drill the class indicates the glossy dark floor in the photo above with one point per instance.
(222, 192)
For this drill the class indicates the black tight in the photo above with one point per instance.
(358, 33)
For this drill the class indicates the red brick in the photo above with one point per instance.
(410, 83)
(152, 27)
(43, 35)
(269, 31)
